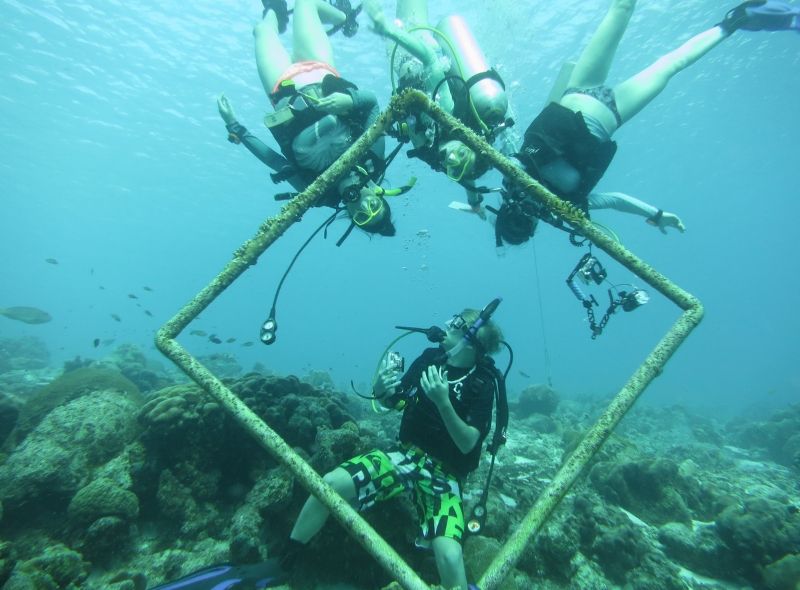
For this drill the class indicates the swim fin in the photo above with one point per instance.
(281, 12)
(350, 25)
(266, 574)
(762, 15)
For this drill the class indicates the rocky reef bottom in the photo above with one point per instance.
(117, 476)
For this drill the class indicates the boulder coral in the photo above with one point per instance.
(102, 497)
(58, 457)
(269, 497)
(129, 360)
(697, 547)
(536, 399)
(57, 567)
(759, 532)
(777, 437)
(654, 490)
(64, 389)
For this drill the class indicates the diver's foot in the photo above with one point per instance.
(350, 25)
(376, 15)
(281, 12)
(762, 15)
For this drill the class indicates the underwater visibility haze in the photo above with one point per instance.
(122, 198)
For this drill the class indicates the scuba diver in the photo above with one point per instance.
(568, 147)
(445, 63)
(446, 397)
(318, 114)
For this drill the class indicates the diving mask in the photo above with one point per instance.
(457, 159)
(457, 322)
(369, 210)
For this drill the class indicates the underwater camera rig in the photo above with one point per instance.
(589, 270)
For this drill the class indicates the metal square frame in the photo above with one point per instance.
(413, 102)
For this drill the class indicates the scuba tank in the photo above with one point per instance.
(486, 90)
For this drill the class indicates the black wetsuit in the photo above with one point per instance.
(422, 426)
(561, 134)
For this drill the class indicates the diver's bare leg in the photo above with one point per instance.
(311, 42)
(595, 61)
(329, 14)
(314, 513)
(410, 41)
(272, 59)
(636, 92)
(412, 12)
(450, 563)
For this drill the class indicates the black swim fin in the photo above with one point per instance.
(281, 11)
(350, 25)
(762, 15)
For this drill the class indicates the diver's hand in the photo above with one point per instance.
(225, 109)
(669, 220)
(479, 211)
(337, 103)
(475, 200)
(387, 382)
(434, 384)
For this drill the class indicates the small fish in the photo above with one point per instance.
(51, 261)
(115, 317)
(96, 342)
(132, 296)
(198, 333)
(524, 374)
(147, 312)
(146, 288)
(229, 340)
(248, 343)
(108, 341)
(29, 315)
(215, 339)
(102, 288)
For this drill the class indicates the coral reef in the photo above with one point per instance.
(223, 365)
(137, 490)
(147, 374)
(59, 455)
(56, 568)
(66, 388)
(759, 531)
(777, 438)
(23, 354)
(269, 497)
(9, 412)
(654, 490)
(536, 399)
(784, 574)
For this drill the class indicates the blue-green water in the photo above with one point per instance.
(115, 164)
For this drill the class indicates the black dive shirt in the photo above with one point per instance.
(422, 425)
